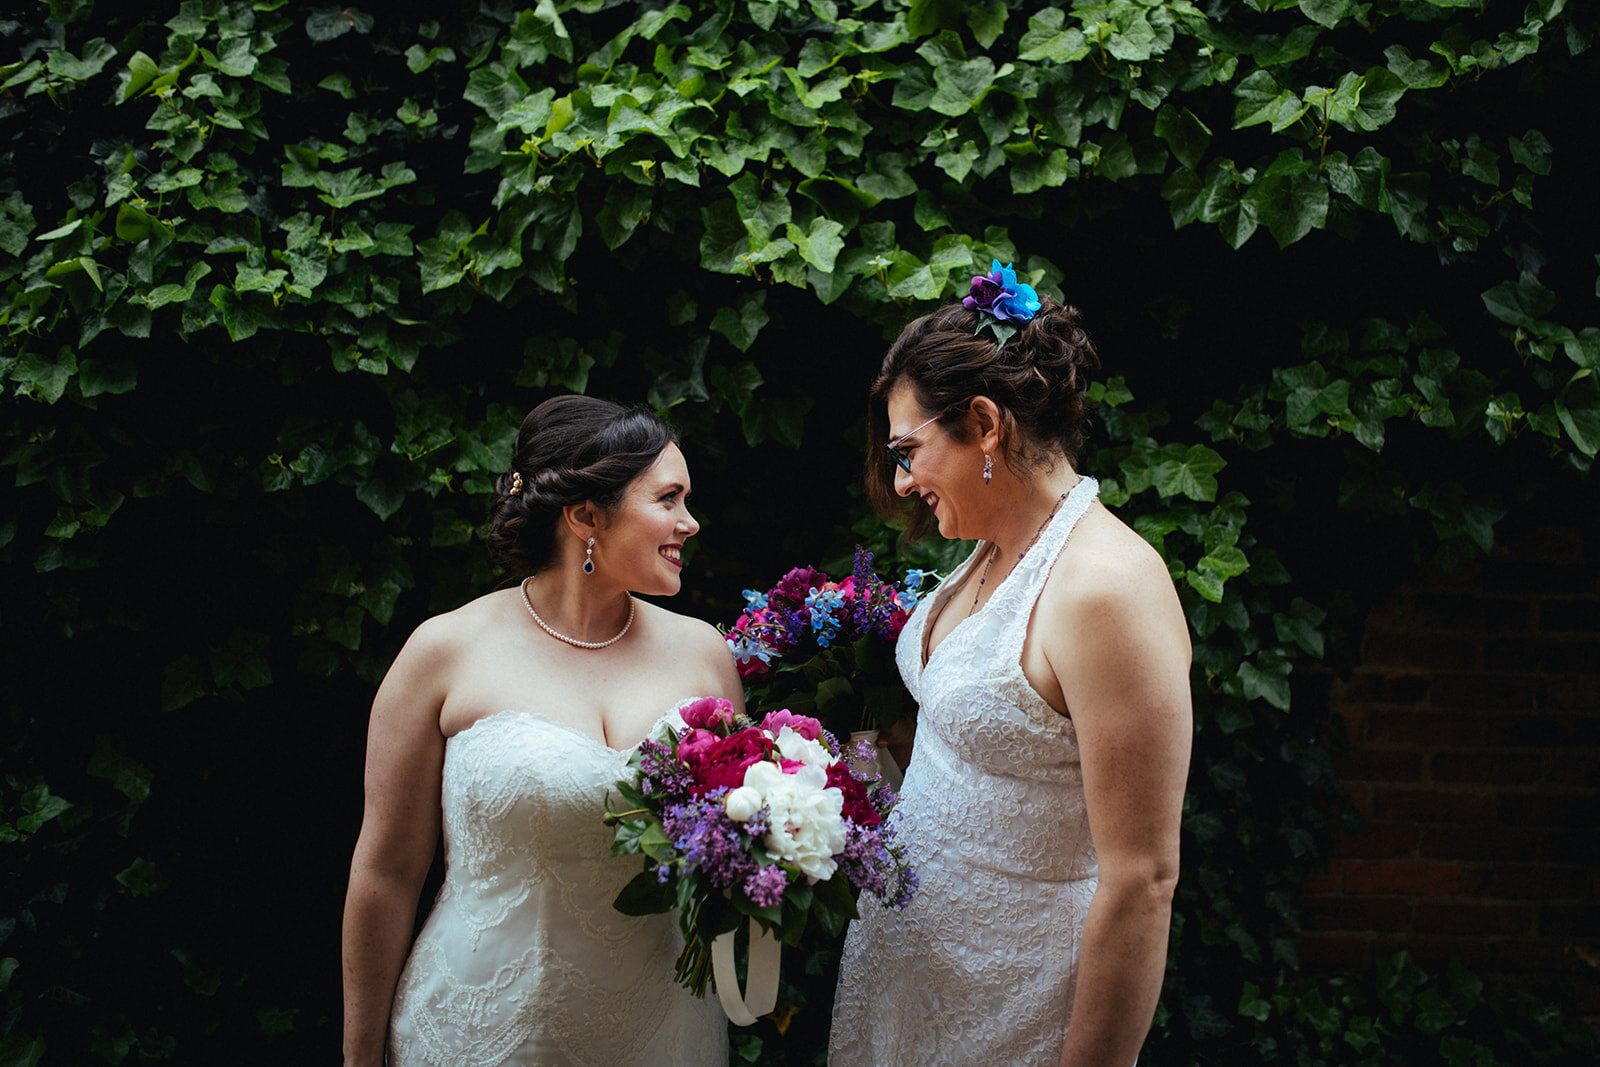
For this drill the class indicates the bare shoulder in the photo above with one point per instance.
(688, 635)
(1108, 568)
(440, 642)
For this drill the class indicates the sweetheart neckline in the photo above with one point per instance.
(569, 728)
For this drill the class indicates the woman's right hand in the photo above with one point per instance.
(399, 834)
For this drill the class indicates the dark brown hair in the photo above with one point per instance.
(1037, 380)
(571, 449)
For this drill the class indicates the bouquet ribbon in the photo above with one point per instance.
(761, 980)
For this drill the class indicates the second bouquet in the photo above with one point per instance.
(770, 822)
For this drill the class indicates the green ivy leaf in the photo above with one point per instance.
(820, 245)
(96, 54)
(1290, 206)
(741, 327)
(1188, 472)
(1327, 13)
(1578, 408)
(1263, 99)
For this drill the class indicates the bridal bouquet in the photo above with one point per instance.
(813, 644)
(768, 821)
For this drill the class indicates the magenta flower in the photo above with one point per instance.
(708, 713)
(804, 725)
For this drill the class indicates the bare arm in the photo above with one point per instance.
(1122, 653)
(720, 661)
(399, 832)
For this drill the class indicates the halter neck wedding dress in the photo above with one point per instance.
(523, 960)
(981, 967)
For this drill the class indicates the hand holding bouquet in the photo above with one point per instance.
(766, 821)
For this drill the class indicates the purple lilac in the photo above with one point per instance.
(659, 766)
(864, 859)
(708, 840)
(765, 887)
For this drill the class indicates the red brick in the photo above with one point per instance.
(1548, 809)
(1579, 615)
(1569, 846)
(1369, 764)
(1508, 881)
(1473, 951)
(1570, 920)
(1478, 920)
(1432, 806)
(1447, 612)
(1328, 953)
(1552, 730)
(1542, 655)
(1349, 915)
(1579, 693)
(1576, 768)
(1409, 727)
(1487, 692)
(1379, 841)
(1402, 879)
(1531, 956)
(1522, 768)
(1369, 687)
(1435, 651)
(1480, 843)
(1322, 882)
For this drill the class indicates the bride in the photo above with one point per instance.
(502, 723)
(1042, 804)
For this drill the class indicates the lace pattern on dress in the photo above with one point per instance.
(982, 966)
(523, 960)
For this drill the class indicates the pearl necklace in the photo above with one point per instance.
(559, 636)
(994, 550)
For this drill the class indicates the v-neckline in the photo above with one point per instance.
(941, 600)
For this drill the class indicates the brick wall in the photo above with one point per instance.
(1474, 726)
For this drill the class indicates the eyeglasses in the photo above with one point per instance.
(901, 458)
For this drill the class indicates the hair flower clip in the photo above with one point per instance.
(1009, 303)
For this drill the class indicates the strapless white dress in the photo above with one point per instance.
(523, 960)
(982, 966)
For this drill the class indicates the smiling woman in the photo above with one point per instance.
(502, 724)
(1043, 799)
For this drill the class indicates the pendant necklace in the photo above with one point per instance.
(559, 636)
(994, 550)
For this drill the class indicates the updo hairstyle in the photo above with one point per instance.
(1037, 380)
(571, 449)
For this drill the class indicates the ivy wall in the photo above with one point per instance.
(278, 281)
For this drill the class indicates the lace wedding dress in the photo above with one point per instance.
(981, 967)
(523, 960)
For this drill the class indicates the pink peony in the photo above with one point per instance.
(708, 713)
(693, 746)
(804, 725)
(721, 765)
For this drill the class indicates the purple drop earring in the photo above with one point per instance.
(588, 557)
(988, 468)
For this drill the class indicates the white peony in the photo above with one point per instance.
(806, 817)
(811, 753)
(744, 802)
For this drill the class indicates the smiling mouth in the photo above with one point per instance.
(672, 554)
(932, 500)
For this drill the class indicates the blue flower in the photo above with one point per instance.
(754, 601)
(1001, 295)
